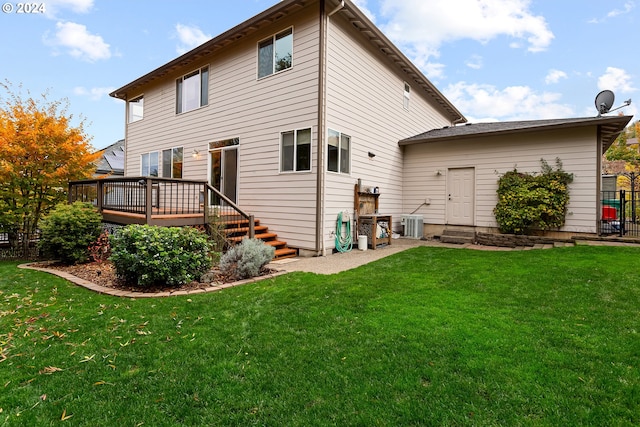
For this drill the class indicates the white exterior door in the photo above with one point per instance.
(461, 196)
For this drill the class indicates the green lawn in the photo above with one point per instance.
(430, 336)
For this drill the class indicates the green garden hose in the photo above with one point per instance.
(344, 243)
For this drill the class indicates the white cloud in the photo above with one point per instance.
(413, 23)
(474, 62)
(362, 5)
(487, 103)
(53, 7)
(628, 7)
(78, 42)
(616, 80)
(189, 37)
(94, 93)
(554, 76)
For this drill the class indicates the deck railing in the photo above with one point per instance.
(160, 201)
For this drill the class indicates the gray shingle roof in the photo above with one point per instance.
(610, 127)
(112, 160)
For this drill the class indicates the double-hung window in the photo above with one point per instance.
(295, 151)
(136, 109)
(407, 95)
(338, 152)
(275, 53)
(192, 90)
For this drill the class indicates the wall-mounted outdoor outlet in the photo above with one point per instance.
(427, 201)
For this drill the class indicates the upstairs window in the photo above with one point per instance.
(276, 53)
(295, 151)
(136, 110)
(192, 90)
(338, 152)
(407, 95)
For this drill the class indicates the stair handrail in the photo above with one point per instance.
(248, 217)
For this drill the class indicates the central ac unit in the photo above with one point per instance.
(412, 226)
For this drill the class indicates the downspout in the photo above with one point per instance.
(321, 173)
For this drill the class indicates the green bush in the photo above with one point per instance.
(246, 259)
(528, 202)
(145, 255)
(68, 230)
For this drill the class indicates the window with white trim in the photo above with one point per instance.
(192, 90)
(149, 164)
(407, 95)
(172, 161)
(168, 162)
(275, 53)
(338, 152)
(295, 150)
(136, 109)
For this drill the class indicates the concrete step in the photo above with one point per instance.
(458, 240)
(458, 236)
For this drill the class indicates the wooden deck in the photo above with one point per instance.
(165, 220)
(172, 203)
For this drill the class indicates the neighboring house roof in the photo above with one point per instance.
(112, 160)
(276, 12)
(610, 128)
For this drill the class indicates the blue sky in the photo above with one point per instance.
(496, 60)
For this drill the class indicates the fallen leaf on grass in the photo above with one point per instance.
(64, 416)
(49, 370)
(88, 359)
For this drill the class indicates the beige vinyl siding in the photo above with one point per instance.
(255, 111)
(493, 156)
(365, 94)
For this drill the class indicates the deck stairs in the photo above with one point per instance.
(238, 229)
(459, 236)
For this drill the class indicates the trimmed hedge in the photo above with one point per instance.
(68, 230)
(145, 255)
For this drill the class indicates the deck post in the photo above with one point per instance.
(252, 227)
(148, 201)
(99, 195)
(205, 203)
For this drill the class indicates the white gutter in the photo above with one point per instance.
(336, 10)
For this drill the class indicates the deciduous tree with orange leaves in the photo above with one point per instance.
(40, 151)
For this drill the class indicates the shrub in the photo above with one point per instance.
(145, 255)
(530, 201)
(68, 230)
(246, 259)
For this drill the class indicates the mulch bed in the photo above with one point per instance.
(104, 274)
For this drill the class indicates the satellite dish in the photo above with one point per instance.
(604, 102)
